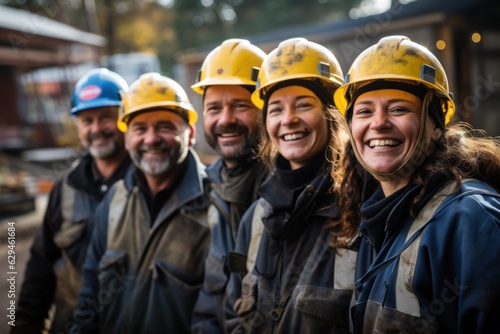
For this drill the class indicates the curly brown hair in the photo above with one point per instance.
(462, 152)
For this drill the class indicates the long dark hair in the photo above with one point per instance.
(462, 152)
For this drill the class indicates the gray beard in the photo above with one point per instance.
(103, 152)
(153, 167)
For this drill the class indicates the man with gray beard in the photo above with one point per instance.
(53, 272)
(144, 267)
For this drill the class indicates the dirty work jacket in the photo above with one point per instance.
(231, 195)
(140, 277)
(53, 271)
(451, 282)
(294, 259)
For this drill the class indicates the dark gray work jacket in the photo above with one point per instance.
(143, 278)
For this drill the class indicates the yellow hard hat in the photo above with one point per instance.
(297, 58)
(234, 62)
(154, 91)
(396, 58)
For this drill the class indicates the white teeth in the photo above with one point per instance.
(379, 144)
(294, 136)
(224, 135)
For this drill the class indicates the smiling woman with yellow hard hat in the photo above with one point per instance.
(428, 258)
(292, 280)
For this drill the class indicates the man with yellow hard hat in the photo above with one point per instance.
(145, 263)
(232, 125)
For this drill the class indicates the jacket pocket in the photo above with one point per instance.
(164, 272)
(173, 294)
(380, 319)
(329, 305)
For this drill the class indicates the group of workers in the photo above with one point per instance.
(338, 204)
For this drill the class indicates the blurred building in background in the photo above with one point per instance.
(131, 65)
(30, 114)
(29, 42)
(40, 62)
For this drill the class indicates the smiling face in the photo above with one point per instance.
(158, 141)
(296, 124)
(385, 128)
(98, 132)
(231, 122)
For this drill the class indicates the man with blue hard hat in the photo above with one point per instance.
(53, 271)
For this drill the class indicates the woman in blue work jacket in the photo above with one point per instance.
(286, 277)
(428, 258)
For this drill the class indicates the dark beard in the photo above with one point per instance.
(249, 148)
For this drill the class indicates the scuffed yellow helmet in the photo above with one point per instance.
(297, 58)
(234, 62)
(396, 58)
(154, 91)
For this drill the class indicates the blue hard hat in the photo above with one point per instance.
(99, 87)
